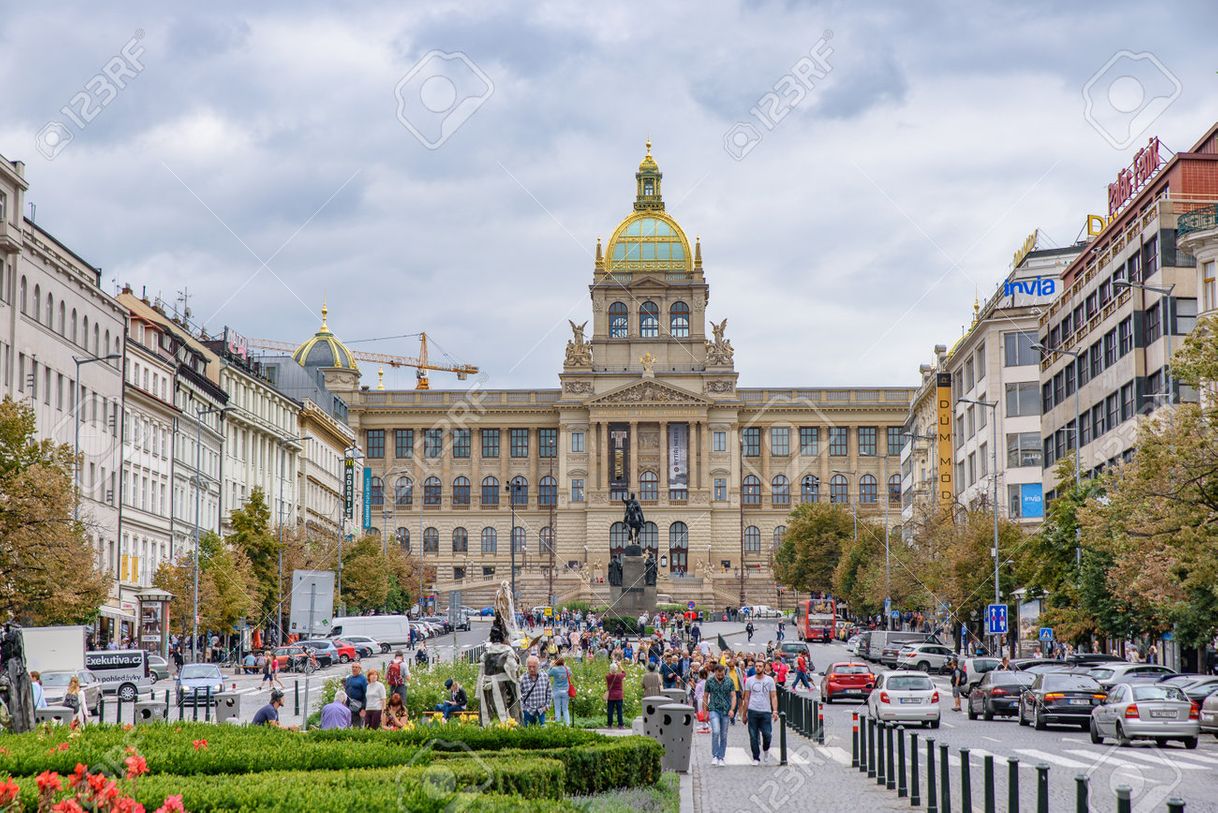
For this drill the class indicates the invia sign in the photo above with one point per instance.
(1039, 286)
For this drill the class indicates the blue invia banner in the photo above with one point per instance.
(1031, 500)
(367, 498)
(1040, 286)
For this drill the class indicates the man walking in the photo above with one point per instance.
(761, 706)
(801, 673)
(535, 693)
(748, 628)
(397, 674)
(718, 698)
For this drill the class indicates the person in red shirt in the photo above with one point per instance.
(801, 673)
(780, 671)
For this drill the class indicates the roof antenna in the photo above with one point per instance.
(33, 212)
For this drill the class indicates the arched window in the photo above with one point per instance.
(649, 320)
(431, 540)
(490, 540)
(649, 538)
(809, 488)
(490, 492)
(545, 541)
(839, 489)
(431, 491)
(403, 492)
(84, 333)
(461, 490)
(22, 294)
(520, 491)
(518, 539)
(547, 491)
(37, 303)
(618, 535)
(752, 490)
(678, 547)
(619, 320)
(868, 489)
(894, 489)
(402, 535)
(779, 532)
(73, 335)
(106, 346)
(780, 490)
(678, 320)
(378, 491)
(96, 339)
(460, 540)
(50, 310)
(649, 486)
(752, 539)
(62, 321)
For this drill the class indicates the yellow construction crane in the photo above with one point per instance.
(421, 363)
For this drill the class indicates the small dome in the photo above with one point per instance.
(648, 241)
(324, 349)
(648, 164)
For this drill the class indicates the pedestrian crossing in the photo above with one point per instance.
(1133, 758)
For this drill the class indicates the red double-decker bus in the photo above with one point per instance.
(816, 619)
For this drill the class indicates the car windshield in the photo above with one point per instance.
(1082, 683)
(985, 664)
(1157, 693)
(200, 670)
(56, 679)
(1011, 678)
(850, 669)
(908, 682)
(1100, 674)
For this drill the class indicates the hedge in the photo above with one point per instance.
(623, 762)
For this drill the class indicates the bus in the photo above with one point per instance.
(816, 619)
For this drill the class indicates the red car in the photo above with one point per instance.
(346, 652)
(847, 679)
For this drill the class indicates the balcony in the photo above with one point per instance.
(10, 238)
(1197, 220)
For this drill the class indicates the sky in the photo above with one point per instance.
(858, 173)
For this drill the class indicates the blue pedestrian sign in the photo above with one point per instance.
(996, 619)
(1046, 633)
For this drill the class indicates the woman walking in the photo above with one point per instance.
(613, 694)
(75, 699)
(375, 698)
(560, 684)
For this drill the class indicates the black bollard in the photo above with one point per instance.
(782, 738)
(296, 690)
(1012, 785)
(118, 710)
(990, 801)
(820, 725)
(945, 780)
(854, 739)
(915, 797)
(879, 755)
(1081, 804)
(932, 806)
(1124, 795)
(207, 708)
(165, 713)
(1175, 805)
(1042, 788)
(815, 715)
(194, 697)
(966, 782)
(101, 709)
(902, 790)
(892, 779)
(863, 744)
(870, 748)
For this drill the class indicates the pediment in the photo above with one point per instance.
(650, 392)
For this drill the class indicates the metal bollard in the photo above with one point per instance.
(966, 782)
(871, 748)
(892, 779)
(854, 739)
(165, 714)
(296, 690)
(118, 709)
(194, 704)
(902, 790)
(1042, 789)
(990, 801)
(1175, 805)
(1012, 785)
(945, 780)
(820, 725)
(814, 718)
(1081, 804)
(1124, 795)
(915, 797)
(207, 708)
(782, 738)
(879, 756)
(863, 744)
(932, 805)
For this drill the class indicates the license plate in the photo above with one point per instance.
(909, 700)
(1163, 714)
(1080, 702)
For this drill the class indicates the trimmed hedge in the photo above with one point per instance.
(622, 762)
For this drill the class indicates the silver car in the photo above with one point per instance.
(1209, 715)
(1145, 711)
(1110, 674)
(924, 657)
(55, 685)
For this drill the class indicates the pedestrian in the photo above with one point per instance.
(761, 706)
(535, 693)
(457, 699)
(614, 682)
(40, 699)
(1005, 666)
(958, 678)
(268, 715)
(748, 628)
(75, 699)
(670, 671)
(653, 685)
(719, 701)
(782, 632)
(780, 669)
(398, 673)
(336, 713)
(395, 716)
(563, 688)
(356, 686)
(178, 660)
(374, 700)
(267, 670)
(801, 673)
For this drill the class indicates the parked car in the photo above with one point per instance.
(439, 622)
(55, 685)
(393, 630)
(762, 611)
(885, 645)
(1029, 663)
(924, 657)
(906, 697)
(791, 650)
(848, 679)
(1111, 674)
(1209, 715)
(324, 650)
(863, 648)
(1141, 711)
(159, 667)
(1060, 698)
(1195, 687)
(291, 658)
(194, 681)
(974, 670)
(997, 694)
(371, 643)
(1093, 658)
(852, 644)
(361, 650)
(486, 612)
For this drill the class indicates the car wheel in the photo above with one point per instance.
(1189, 742)
(343, 659)
(934, 723)
(986, 714)
(127, 693)
(1023, 720)
(972, 715)
(923, 666)
(1096, 739)
(384, 649)
(1038, 721)
(1122, 740)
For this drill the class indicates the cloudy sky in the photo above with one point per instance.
(258, 158)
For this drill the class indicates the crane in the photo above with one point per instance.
(421, 363)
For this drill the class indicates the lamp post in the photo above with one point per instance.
(76, 421)
(279, 601)
(1077, 355)
(198, 482)
(511, 489)
(1169, 324)
(992, 405)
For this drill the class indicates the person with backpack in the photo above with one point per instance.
(397, 674)
(801, 673)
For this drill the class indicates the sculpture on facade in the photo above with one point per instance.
(499, 673)
(649, 363)
(579, 352)
(615, 571)
(16, 690)
(719, 352)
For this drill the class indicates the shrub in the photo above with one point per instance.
(623, 762)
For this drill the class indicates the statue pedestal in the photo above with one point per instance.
(634, 596)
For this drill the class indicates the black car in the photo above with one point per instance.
(1092, 659)
(997, 693)
(1195, 687)
(1060, 698)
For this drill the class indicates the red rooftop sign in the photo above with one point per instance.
(1146, 163)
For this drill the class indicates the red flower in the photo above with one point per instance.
(200, 744)
(63, 746)
(68, 806)
(97, 782)
(48, 782)
(78, 775)
(127, 805)
(136, 766)
(8, 791)
(173, 804)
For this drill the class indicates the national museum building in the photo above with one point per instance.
(647, 403)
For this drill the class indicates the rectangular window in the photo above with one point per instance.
(490, 443)
(1097, 360)
(980, 361)
(1082, 370)
(982, 414)
(1014, 502)
(1017, 349)
(1069, 373)
(839, 441)
(1127, 401)
(983, 460)
(376, 443)
(433, 443)
(1153, 328)
(960, 426)
(1209, 287)
(1110, 348)
(780, 441)
(1059, 387)
(1022, 399)
(750, 437)
(867, 441)
(1046, 400)
(1112, 410)
(1185, 312)
(809, 441)
(1125, 335)
(577, 442)
(577, 490)
(968, 374)
(1097, 421)
(461, 439)
(1150, 257)
(1023, 449)
(403, 443)
(972, 468)
(520, 442)
(719, 441)
(720, 489)
(547, 443)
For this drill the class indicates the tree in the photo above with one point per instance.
(48, 568)
(227, 590)
(812, 546)
(253, 537)
(377, 578)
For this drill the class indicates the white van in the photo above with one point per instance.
(388, 629)
(123, 672)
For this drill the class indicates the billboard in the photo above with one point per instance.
(943, 443)
(311, 589)
(678, 456)
(1031, 501)
(619, 457)
(367, 518)
(349, 488)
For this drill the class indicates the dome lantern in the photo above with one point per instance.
(324, 349)
(647, 180)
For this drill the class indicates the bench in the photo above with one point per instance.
(460, 716)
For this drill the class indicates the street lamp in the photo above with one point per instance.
(279, 604)
(511, 489)
(76, 420)
(992, 405)
(198, 483)
(1169, 326)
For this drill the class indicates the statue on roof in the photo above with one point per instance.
(579, 352)
(720, 351)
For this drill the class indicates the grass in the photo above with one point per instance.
(663, 797)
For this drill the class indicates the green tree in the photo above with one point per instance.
(812, 546)
(253, 537)
(227, 591)
(48, 568)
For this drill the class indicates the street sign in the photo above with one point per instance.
(896, 615)
(1046, 634)
(887, 606)
(691, 605)
(996, 619)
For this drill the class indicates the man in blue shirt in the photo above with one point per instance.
(269, 714)
(356, 687)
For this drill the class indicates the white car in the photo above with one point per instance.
(762, 611)
(924, 657)
(852, 644)
(904, 696)
(365, 641)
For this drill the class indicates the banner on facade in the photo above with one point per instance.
(367, 498)
(349, 488)
(678, 456)
(619, 456)
(943, 397)
(1031, 501)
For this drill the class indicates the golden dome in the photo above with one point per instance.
(324, 349)
(648, 241)
(648, 163)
